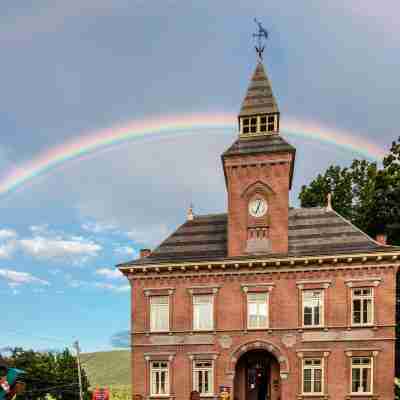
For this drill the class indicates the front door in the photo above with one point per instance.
(258, 380)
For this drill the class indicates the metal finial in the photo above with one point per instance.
(261, 36)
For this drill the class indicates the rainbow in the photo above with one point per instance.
(91, 143)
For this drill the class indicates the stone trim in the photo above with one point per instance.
(373, 281)
(378, 257)
(252, 271)
(163, 356)
(261, 344)
(158, 291)
(268, 286)
(322, 283)
(207, 289)
(203, 355)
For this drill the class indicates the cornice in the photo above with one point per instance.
(266, 265)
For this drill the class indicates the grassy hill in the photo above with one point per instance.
(108, 368)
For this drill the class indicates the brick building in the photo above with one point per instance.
(269, 301)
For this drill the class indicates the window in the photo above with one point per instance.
(203, 377)
(271, 123)
(362, 306)
(361, 375)
(203, 315)
(159, 378)
(159, 313)
(260, 123)
(245, 125)
(257, 310)
(253, 124)
(312, 375)
(313, 308)
(263, 124)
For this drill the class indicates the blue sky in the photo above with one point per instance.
(69, 67)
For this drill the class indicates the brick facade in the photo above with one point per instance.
(290, 304)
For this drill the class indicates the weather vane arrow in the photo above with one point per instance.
(261, 36)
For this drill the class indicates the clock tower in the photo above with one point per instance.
(258, 170)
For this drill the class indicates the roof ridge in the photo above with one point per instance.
(358, 229)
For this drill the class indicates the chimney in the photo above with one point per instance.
(329, 202)
(381, 238)
(144, 253)
(190, 215)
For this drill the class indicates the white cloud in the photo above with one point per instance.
(99, 227)
(109, 286)
(7, 249)
(77, 248)
(151, 235)
(126, 251)
(7, 234)
(7, 243)
(15, 278)
(109, 273)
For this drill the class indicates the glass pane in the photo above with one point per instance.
(253, 121)
(200, 379)
(316, 316)
(355, 376)
(246, 129)
(202, 316)
(357, 311)
(307, 316)
(307, 381)
(366, 379)
(263, 120)
(317, 380)
(206, 386)
(159, 317)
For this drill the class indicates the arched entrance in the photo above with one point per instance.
(258, 368)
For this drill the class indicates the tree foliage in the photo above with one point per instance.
(365, 193)
(47, 374)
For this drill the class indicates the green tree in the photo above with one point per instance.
(365, 193)
(49, 374)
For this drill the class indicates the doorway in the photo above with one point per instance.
(256, 376)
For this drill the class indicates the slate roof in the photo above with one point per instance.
(272, 143)
(312, 231)
(259, 98)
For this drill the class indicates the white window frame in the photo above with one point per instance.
(153, 327)
(258, 124)
(210, 371)
(313, 368)
(362, 297)
(362, 367)
(321, 313)
(159, 370)
(266, 294)
(211, 296)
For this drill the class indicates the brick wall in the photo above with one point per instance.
(285, 339)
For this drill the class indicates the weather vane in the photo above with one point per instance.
(261, 36)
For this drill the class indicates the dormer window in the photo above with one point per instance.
(258, 124)
(271, 123)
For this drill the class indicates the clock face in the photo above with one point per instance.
(258, 207)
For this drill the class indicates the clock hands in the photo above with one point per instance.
(258, 205)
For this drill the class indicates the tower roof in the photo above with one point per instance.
(259, 98)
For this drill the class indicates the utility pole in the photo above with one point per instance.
(76, 345)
